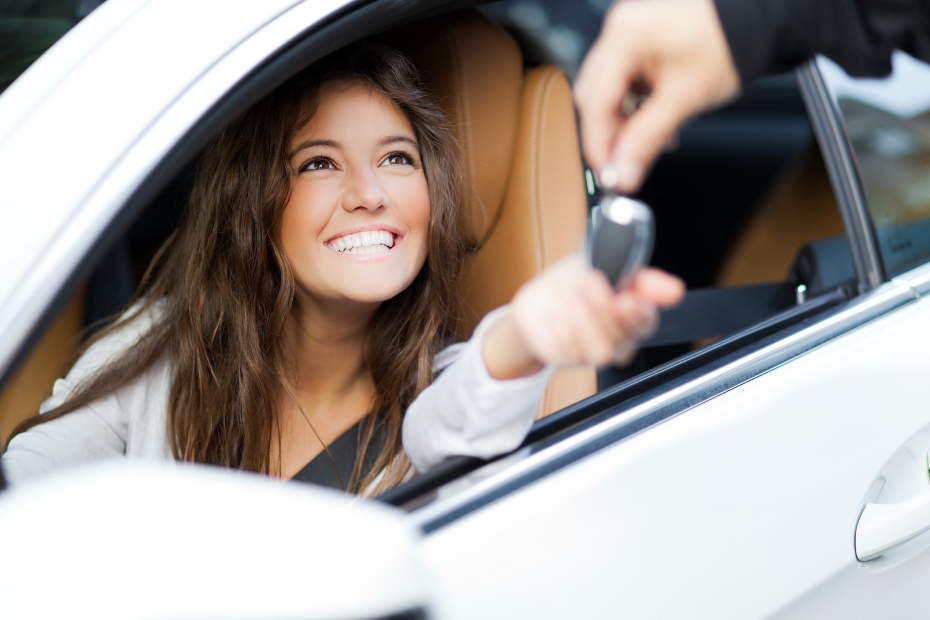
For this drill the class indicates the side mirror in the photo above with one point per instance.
(127, 539)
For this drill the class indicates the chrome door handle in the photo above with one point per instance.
(882, 526)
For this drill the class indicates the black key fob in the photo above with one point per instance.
(622, 238)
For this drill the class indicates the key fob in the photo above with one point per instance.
(622, 238)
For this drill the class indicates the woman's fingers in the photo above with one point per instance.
(661, 288)
(570, 314)
(597, 329)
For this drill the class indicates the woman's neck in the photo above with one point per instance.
(327, 343)
(334, 388)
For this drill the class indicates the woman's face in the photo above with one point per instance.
(355, 226)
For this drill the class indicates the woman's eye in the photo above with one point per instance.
(319, 163)
(398, 159)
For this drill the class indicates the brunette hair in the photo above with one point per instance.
(220, 288)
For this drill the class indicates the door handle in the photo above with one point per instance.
(882, 526)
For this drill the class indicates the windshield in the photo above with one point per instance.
(29, 27)
(888, 123)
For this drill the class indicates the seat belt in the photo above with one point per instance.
(714, 312)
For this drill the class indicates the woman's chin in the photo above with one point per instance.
(373, 293)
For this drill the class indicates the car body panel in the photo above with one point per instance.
(733, 509)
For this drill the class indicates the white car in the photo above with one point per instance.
(766, 457)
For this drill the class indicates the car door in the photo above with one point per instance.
(752, 486)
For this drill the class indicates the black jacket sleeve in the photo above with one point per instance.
(772, 36)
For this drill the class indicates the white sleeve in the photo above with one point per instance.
(82, 436)
(466, 412)
(91, 433)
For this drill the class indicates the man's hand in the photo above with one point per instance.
(570, 314)
(674, 49)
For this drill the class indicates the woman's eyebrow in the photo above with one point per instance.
(308, 144)
(392, 139)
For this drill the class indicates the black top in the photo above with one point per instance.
(773, 36)
(323, 471)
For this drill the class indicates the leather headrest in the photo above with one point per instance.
(475, 70)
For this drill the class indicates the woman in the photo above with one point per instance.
(306, 298)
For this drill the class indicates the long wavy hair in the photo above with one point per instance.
(220, 288)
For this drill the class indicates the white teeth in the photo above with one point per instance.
(369, 249)
(357, 243)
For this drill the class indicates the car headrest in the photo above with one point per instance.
(475, 70)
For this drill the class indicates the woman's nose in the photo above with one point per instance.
(364, 192)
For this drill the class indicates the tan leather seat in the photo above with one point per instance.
(528, 207)
(32, 382)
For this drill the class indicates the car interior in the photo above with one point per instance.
(744, 210)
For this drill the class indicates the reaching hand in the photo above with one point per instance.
(673, 49)
(570, 314)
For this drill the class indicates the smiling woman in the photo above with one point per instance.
(295, 322)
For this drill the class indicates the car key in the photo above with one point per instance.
(622, 239)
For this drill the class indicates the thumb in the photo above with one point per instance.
(643, 137)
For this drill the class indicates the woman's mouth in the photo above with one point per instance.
(365, 242)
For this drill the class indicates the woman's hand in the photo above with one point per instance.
(570, 314)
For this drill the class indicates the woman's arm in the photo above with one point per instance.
(484, 403)
(466, 411)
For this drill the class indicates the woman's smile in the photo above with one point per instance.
(365, 240)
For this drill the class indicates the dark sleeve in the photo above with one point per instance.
(773, 36)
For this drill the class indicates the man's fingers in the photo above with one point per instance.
(600, 100)
(644, 135)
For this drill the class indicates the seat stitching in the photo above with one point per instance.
(534, 174)
(550, 84)
(467, 138)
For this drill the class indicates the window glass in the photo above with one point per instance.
(888, 122)
(29, 27)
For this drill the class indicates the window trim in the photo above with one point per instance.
(843, 171)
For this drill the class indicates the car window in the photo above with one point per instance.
(888, 123)
(29, 27)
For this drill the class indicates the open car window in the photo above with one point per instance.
(888, 123)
